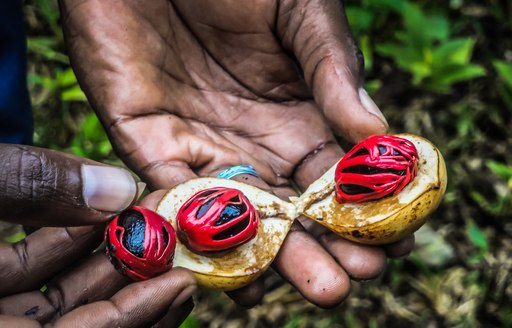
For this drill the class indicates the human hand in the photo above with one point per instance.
(46, 188)
(187, 88)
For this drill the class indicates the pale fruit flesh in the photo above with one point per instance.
(385, 220)
(238, 267)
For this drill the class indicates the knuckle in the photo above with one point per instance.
(31, 175)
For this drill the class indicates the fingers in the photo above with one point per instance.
(311, 269)
(139, 304)
(43, 187)
(31, 262)
(362, 262)
(318, 34)
(250, 295)
(92, 280)
(12, 321)
(176, 315)
(401, 248)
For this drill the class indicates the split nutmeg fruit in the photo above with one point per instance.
(228, 232)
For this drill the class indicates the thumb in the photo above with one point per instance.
(43, 187)
(317, 32)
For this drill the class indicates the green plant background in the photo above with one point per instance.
(440, 69)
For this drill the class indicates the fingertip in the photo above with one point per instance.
(311, 270)
(401, 248)
(182, 277)
(361, 262)
(372, 108)
(249, 296)
(355, 123)
(107, 188)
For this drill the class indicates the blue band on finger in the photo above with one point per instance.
(236, 170)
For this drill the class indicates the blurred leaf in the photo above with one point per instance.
(394, 5)
(503, 170)
(73, 94)
(92, 141)
(66, 78)
(366, 49)
(443, 77)
(42, 81)
(456, 51)
(438, 27)
(14, 238)
(477, 237)
(432, 247)
(504, 70)
(360, 19)
(420, 71)
(190, 322)
(372, 86)
(50, 13)
(45, 47)
(403, 55)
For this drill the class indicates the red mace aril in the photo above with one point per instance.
(377, 167)
(140, 243)
(216, 219)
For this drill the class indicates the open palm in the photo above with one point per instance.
(187, 88)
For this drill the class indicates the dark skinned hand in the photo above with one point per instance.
(187, 88)
(73, 198)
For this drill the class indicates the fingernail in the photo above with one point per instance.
(184, 296)
(107, 188)
(370, 106)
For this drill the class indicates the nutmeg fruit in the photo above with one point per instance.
(216, 219)
(387, 219)
(235, 267)
(140, 243)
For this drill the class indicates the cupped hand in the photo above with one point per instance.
(186, 88)
(77, 197)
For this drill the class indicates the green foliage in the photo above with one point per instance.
(63, 117)
(46, 48)
(424, 49)
(91, 141)
(477, 237)
(502, 205)
(504, 70)
(190, 322)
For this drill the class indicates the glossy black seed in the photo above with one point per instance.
(230, 212)
(360, 152)
(352, 189)
(232, 231)
(165, 234)
(207, 193)
(205, 207)
(134, 230)
(235, 199)
(369, 170)
(203, 194)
